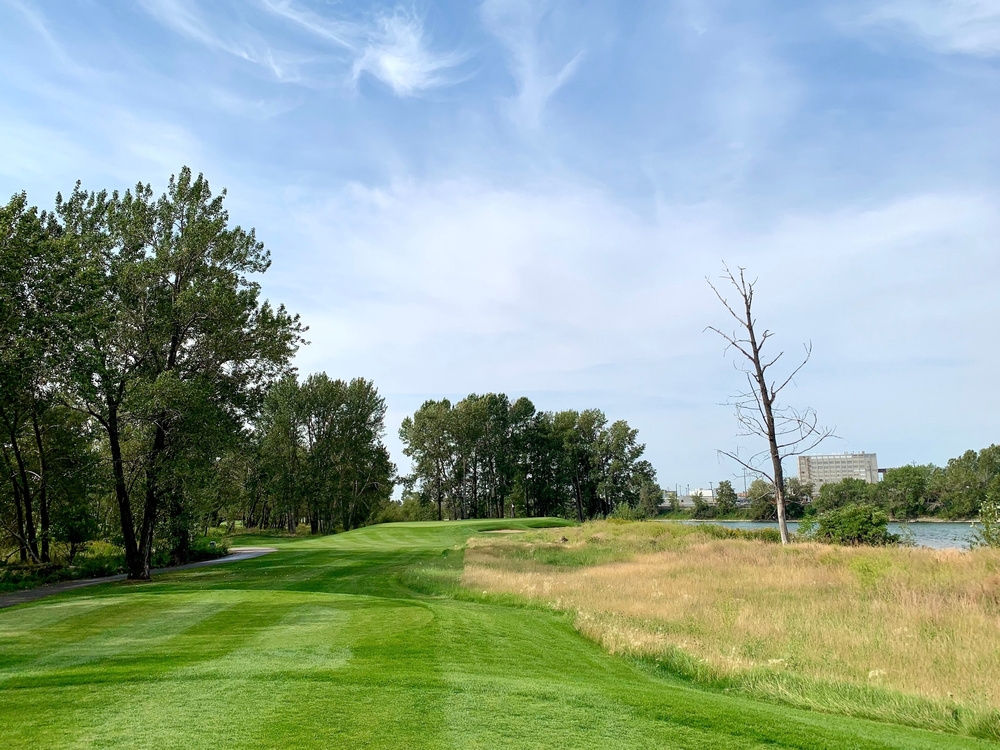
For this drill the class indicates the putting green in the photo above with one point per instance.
(352, 641)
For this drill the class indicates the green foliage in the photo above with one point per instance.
(725, 498)
(988, 529)
(412, 507)
(904, 491)
(907, 492)
(320, 455)
(488, 457)
(760, 493)
(95, 563)
(674, 501)
(702, 508)
(771, 536)
(625, 512)
(959, 490)
(851, 524)
(174, 347)
(839, 494)
(798, 497)
(650, 497)
(201, 548)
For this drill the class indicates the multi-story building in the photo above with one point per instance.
(820, 470)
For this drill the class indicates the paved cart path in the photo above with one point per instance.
(40, 592)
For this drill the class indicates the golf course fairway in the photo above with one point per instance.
(358, 641)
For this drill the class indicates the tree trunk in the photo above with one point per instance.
(43, 495)
(133, 560)
(578, 491)
(772, 440)
(22, 548)
(29, 516)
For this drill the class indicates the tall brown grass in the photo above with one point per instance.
(911, 620)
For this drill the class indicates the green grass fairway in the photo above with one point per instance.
(353, 641)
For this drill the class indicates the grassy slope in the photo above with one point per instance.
(347, 641)
(894, 634)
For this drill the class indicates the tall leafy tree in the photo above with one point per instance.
(428, 440)
(903, 491)
(487, 457)
(174, 332)
(347, 467)
(38, 294)
(725, 498)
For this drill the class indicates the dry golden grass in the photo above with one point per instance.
(914, 620)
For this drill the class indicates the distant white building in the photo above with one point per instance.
(820, 470)
(707, 495)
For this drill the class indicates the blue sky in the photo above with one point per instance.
(527, 196)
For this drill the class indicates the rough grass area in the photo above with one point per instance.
(899, 634)
(361, 640)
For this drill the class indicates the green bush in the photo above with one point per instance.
(412, 508)
(207, 548)
(852, 524)
(625, 512)
(988, 528)
(772, 536)
(16, 576)
(701, 507)
(200, 548)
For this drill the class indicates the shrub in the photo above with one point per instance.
(207, 548)
(701, 507)
(107, 561)
(412, 508)
(772, 536)
(851, 524)
(650, 497)
(625, 512)
(843, 493)
(200, 548)
(988, 529)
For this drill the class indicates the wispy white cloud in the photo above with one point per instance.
(397, 53)
(340, 32)
(186, 18)
(953, 26)
(391, 47)
(516, 24)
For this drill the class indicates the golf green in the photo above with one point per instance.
(351, 641)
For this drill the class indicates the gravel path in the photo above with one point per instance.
(30, 595)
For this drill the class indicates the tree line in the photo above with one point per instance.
(488, 457)
(146, 387)
(956, 491)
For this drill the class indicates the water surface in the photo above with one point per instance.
(924, 533)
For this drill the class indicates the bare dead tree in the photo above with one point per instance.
(787, 431)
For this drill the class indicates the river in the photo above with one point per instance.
(925, 533)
